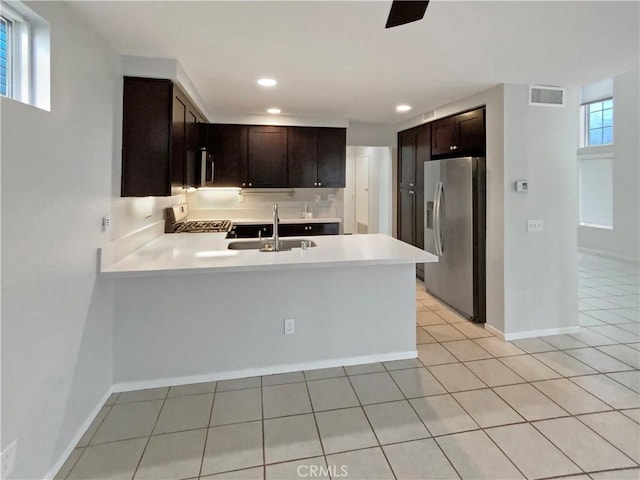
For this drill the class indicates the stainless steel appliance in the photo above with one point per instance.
(176, 222)
(454, 192)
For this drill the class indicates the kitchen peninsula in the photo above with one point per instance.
(188, 309)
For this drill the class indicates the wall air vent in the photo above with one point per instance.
(546, 96)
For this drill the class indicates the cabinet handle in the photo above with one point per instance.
(250, 184)
(450, 148)
(411, 192)
(412, 184)
(455, 147)
(315, 184)
(213, 172)
(319, 184)
(244, 184)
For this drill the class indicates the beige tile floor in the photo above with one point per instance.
(471, 406)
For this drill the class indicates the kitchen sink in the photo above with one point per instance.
(267, 246)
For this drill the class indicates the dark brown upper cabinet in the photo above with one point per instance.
(459, 135)
(159, 139)
(252, 156)
(332, 151)
(266, 157)
(224, 163)
(317, 157)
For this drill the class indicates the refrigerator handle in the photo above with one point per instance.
(436, 219)
(440, 234)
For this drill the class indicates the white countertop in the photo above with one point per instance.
(198, 253)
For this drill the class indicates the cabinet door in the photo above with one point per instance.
(442, 136)
(406, 215)
(324, 228)
(267, 157)
(470, 133)
(332, 150)
(228, 147)
(191, 147)
(178, 128)
(423, 152)
(303, 156)
(146, 141)
(292, 229)
(407, 158)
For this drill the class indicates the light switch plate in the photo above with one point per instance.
(535, 225)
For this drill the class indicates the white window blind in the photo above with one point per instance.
(596, 190)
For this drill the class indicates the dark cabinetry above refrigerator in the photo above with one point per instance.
(459, 135)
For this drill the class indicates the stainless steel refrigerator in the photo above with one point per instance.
(455, 231)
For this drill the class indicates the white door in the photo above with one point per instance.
(362, 194)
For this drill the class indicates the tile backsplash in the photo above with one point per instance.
(258, 204)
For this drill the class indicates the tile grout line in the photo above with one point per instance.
(206, 437)
(144, 450)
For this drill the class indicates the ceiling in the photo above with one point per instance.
(336, 60)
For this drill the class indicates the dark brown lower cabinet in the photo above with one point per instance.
(301, 229)
(284, 229)
(411, 220)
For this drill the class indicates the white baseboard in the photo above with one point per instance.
(78, 435)
(494, 330)
(602, 253)
(254, 372)
(532, 333)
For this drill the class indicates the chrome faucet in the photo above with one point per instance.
(276, 221)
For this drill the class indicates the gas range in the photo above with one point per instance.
(202, 226)
(176, 222)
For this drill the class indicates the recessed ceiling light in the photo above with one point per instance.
(273, 110)
(267, 82)
(403, 108)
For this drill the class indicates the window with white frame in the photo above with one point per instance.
(5, 60)
(596, 190)
(24, 55)
(598, 122)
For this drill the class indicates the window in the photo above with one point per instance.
(24, 55)
(596, 190)
(5, 61)
(599, 122)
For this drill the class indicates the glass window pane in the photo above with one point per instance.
(607, 103)
(607, 135)
(3, 58)
(595, 120)
(595, 107)
(607, 118)
(595, 136)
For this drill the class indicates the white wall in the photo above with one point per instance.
(540, 268)
(57, 316)
(624, 240)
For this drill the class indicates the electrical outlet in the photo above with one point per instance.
(148, 212)
(535, 226)
(318, 198)
(8, 459)
(331, 197)
(289, 326)
(106, 223)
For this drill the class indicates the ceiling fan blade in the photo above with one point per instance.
(406, 12)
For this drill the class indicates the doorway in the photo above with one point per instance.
(367, 196)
